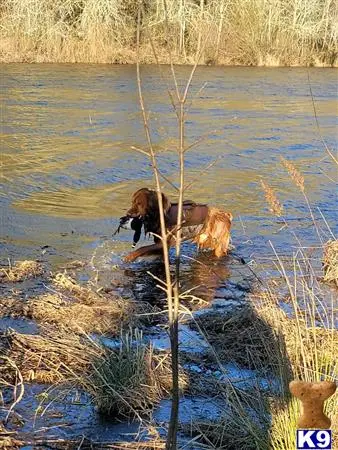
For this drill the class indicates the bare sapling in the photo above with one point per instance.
(171, 286)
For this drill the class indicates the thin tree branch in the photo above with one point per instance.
(156, 173)
(317, 123)
(201, 172)
(199, 140)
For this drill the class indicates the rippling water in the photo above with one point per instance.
(69, 170)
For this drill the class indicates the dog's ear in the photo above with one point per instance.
(153, 203)
(166, 203)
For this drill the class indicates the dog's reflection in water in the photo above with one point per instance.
(201, 275)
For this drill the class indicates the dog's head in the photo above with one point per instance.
(145, 203)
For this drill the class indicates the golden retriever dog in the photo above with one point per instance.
(208, 227)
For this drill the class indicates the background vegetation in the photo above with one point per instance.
(248, 32)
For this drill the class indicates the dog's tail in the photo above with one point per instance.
(216, 233)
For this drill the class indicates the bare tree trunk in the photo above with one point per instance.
(199, 41)
(219, 31)
(182, 29)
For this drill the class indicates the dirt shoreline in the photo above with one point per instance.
(38, 59)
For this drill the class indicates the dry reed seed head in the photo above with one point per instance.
(275, 206)
(294, 173)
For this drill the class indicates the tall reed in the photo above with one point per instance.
(249, 32)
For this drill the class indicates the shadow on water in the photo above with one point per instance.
(201, 275)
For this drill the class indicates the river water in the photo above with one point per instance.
(68, 168)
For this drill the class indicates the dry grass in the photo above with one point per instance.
(229, 433)
(330, 262)
(101, 316)
(309, 333)
(87, 444)
(8, 440)
(22, 270)
(77, 308)
(64, 283)
(12, 307)
(131, 379)
(310, 348)
(50, 358)
(263, 338)
(310, 340)
(245, 338)
(122, 382)
(251, 32)
(80, 307)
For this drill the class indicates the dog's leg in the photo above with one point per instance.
(152, 249)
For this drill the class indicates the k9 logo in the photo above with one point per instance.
(314, 439)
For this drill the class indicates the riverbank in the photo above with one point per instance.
(74, 53)
(248, 33)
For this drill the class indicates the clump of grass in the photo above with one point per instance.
(275, 206)
(8, 439)
(310, 340)
(244, 423)
(51, 358)
(284, 415)
(245, 338)
(264, 338)
(22, 270)
(125, 381)
(105, 315)
(330, 262)
(68, 285)
(78, 308)
(310, 346)
(130, 379)
(230, 432)
(12, 307)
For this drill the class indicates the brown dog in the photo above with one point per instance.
(207, 227)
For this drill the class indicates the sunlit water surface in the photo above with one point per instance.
(69, 170)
